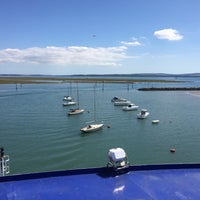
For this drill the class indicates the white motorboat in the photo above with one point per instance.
(130, 107)
(114, 99)
(122, 103)
(75, 111)
(143, 114)
(92, 128)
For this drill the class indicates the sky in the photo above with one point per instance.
(68, 37)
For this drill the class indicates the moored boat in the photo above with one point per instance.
(68, 100)
(75, 111)
(92, 127)
(155, 121)
(122, 103)
(130, 107)
(143, 114)
(114, 99)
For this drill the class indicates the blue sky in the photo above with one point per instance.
(99, 36)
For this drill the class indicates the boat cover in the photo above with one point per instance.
(116, 154)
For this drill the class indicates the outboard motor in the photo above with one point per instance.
(118, 159)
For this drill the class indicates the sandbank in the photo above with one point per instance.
(44, 80)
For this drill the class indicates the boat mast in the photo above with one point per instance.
(77, 95)
(95, 102)
(70, 89)
(4, 163)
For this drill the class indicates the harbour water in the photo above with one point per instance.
(38, 135)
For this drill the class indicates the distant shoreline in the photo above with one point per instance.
(56, 80)
(193, 75)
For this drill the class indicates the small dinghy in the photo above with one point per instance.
(155, 121)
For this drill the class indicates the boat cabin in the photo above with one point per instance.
(143, 111)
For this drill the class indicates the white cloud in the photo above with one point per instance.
(133, 43)
(168, 34)
(72, 55)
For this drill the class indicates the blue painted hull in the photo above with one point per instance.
(174, 181)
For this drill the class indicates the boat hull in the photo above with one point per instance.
(118, 99)
(170, 181)
(155, 121)
(92, 128)
(122, 103)
(139, 116)
(69, 103)
(76, 112)
(127, 108)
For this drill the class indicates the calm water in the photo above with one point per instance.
(39, 136)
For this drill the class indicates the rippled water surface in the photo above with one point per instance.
(37, 133)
